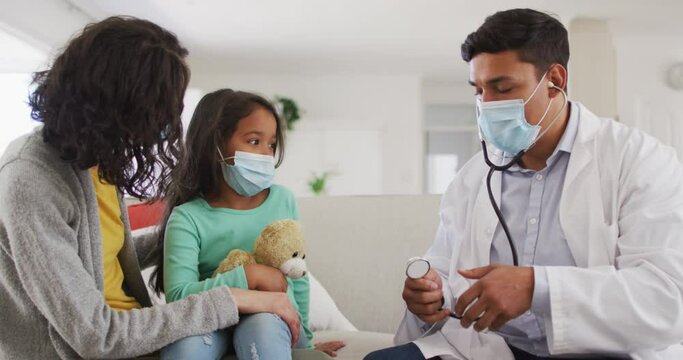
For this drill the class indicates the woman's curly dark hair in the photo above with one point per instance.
(113, 99)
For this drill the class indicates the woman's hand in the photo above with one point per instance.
(265, 278)
(252, 302)
(330, 347)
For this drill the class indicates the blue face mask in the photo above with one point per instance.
(503, 123)
(251, 173)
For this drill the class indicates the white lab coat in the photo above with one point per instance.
(622, 214)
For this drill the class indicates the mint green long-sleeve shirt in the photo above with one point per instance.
(198, 237)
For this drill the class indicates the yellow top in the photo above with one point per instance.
(112, 242)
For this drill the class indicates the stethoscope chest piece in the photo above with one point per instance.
(417, 267)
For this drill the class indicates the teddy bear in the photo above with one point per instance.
(280, 245)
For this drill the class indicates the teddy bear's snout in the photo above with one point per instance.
(294, 268)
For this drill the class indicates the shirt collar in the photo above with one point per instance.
(567, 141)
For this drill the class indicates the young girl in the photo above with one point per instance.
(222, 198)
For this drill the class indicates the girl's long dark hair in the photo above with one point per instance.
(113, 98)
(199, 172)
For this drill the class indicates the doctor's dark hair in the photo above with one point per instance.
(199, 173)
(113, 99)
(538, 38)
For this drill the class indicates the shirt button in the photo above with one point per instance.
(533, 221)
(539, 177)
(489, 231)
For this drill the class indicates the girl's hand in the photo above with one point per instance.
(265, 278)
(330, 347)
(251, 302)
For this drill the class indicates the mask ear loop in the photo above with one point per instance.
(557, 116)
(536, 89)
(547, 109)
(224, 159)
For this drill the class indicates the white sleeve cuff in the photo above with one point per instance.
(540, 302)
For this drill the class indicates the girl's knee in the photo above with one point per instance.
(262, 336)
(264, 328)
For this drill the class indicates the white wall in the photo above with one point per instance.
(592, 66)
(454, 92)
(367, 128)
(45, 24)
(644, 99)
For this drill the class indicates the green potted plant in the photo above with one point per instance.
(289, 110)
(318, 183)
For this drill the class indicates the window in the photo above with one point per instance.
(15, 114)
(451, 140)
(18, 61)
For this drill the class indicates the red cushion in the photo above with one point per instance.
(145, 214)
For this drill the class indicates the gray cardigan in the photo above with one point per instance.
(51, 297)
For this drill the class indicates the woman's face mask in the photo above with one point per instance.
(503, 123)
(250, 174)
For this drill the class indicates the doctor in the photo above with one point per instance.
(594, 212)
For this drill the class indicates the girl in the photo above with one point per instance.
(222, 198)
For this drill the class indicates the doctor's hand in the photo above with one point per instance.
(424, 297)
(502, 293)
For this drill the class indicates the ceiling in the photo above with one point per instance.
(340, 36)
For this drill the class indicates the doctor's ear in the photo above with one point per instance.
(557, 78)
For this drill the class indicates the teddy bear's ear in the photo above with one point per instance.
(283, 228)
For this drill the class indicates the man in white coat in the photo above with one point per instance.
(593, 215)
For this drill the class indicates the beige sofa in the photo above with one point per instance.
(357, 249)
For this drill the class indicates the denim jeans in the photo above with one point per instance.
(257, 337)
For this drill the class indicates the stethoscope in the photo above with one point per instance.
(493, 168)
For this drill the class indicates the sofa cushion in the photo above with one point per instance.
(323, 312)
(358, 343)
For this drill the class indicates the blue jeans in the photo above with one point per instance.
(257, 337)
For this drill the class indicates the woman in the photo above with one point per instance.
(70, 283)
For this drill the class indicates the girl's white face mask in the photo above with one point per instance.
(251, 173)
